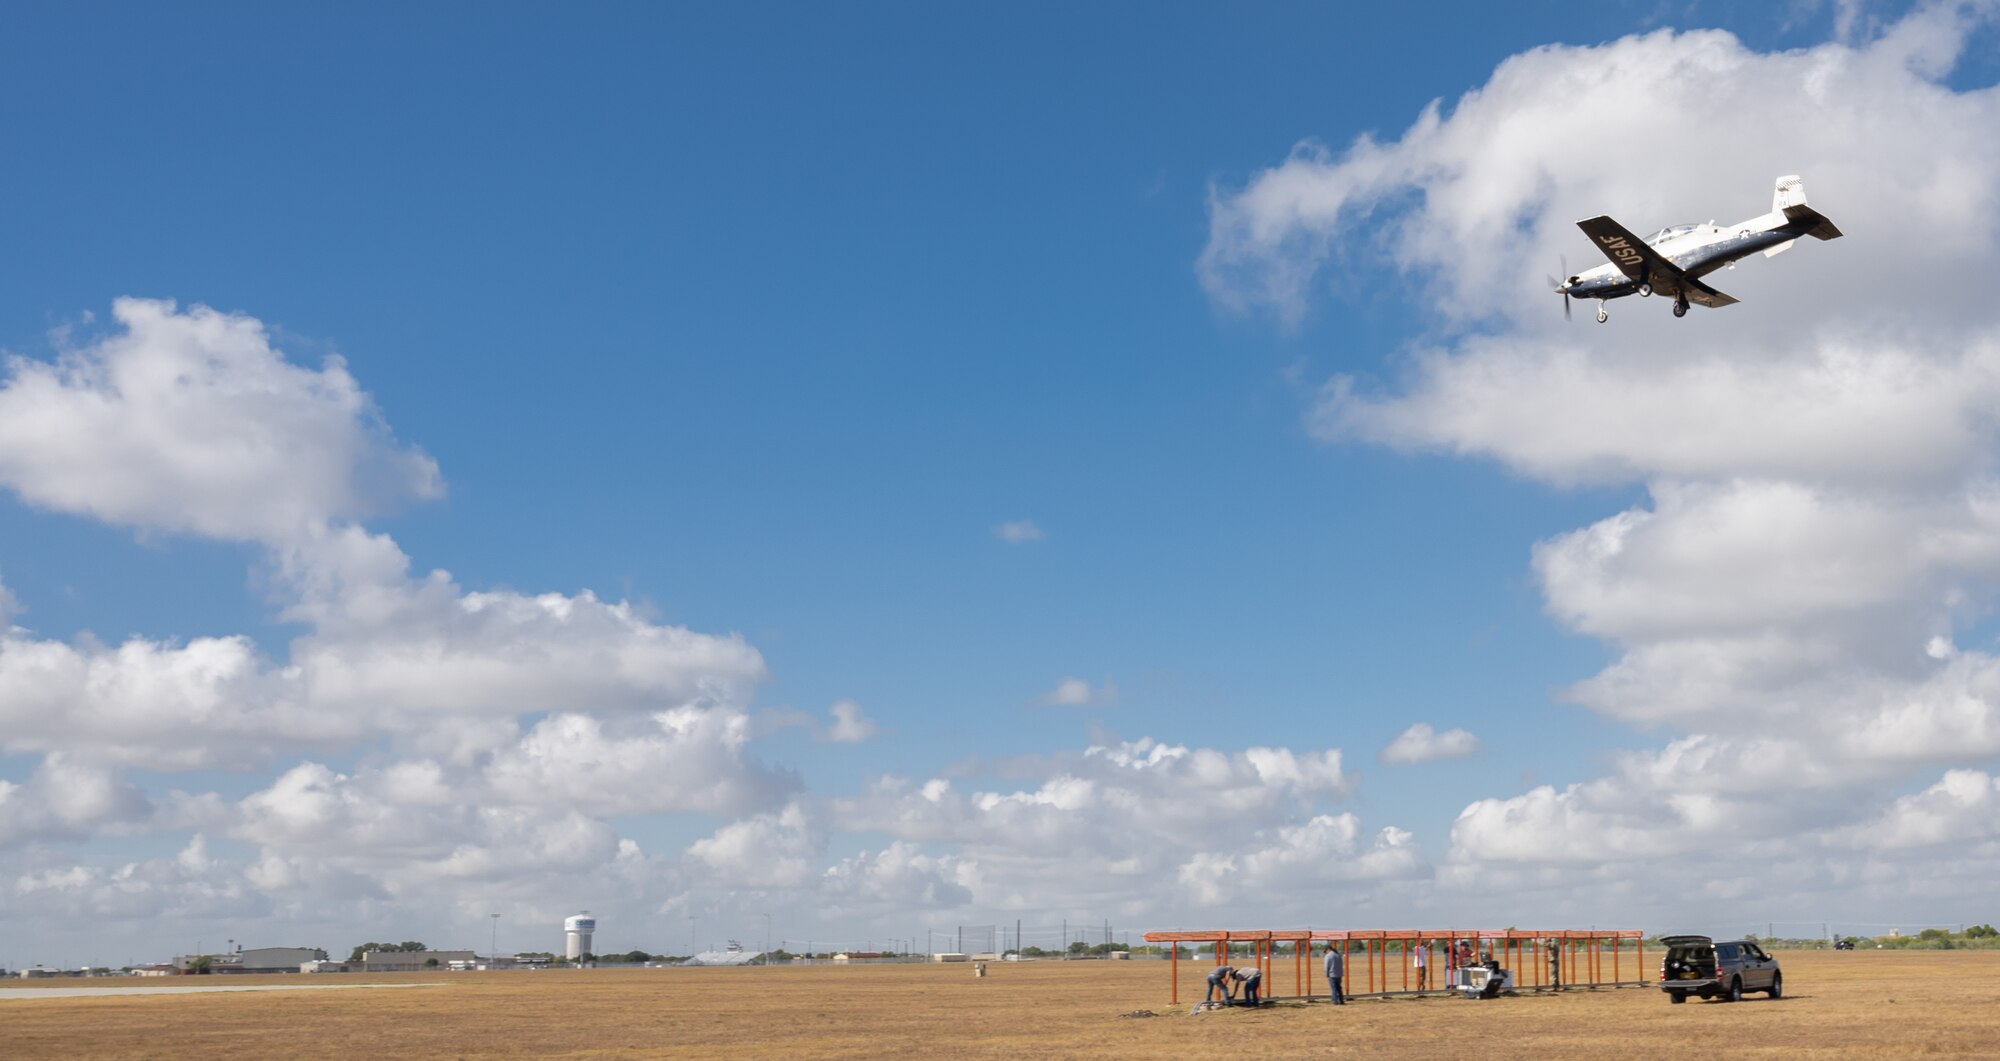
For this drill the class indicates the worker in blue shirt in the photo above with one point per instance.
(1218, 984)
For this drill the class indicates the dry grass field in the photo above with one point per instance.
(1839, 1005)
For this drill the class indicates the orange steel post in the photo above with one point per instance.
(1642, 959)
(1174, 965)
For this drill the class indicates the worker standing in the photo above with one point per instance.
(1336, 969)
(1423, 962)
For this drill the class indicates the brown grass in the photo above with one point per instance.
(1845, 1005)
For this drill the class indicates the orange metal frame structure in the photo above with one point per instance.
(1585, 959)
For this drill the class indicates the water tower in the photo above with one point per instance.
(578, 928)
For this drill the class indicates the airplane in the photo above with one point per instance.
(1673, 260)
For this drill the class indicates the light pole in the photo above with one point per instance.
(767, 939)
(691, 951)
(493, 949)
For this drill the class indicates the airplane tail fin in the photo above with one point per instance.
(1791, 192)
(1790, 200)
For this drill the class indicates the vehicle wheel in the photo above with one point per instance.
(1680, 309)
(1645, 291)
(1602, 316)
(1735, 991)
(1677, 997)
(1777, 985)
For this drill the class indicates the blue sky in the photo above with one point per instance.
(767, 319)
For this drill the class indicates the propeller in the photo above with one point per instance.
(1562, 286)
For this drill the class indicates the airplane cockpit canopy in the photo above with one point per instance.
(1670, 232)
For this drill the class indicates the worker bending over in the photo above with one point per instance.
(1252, 982)
(1219, 985)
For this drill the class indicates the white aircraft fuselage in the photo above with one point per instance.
(1673, 260)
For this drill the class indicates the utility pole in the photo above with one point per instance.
(493, 950)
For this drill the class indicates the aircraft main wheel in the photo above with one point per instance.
(1680, 309)
(1602, 316)
(1645, 291)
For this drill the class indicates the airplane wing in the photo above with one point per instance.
(1644, 265)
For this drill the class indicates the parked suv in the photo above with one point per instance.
(1697, 965)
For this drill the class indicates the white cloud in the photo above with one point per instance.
(1963, 807)
(486, 723)
(1110, 828)
(386, 641)
(386, 653)
(1820, 461)
(64, 800)
(1076, 692)
(1422, 744)
(192, 421)
(1499, 177)
(1322, 853)
(850, 725)
(886, 884)
(764, 851)
(1019, 532)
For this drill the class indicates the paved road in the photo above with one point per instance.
(11, 993)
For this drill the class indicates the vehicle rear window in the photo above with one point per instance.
(1725, 952)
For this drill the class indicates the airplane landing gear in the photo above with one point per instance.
(1602, 314)
(1645, 290)
(1680, 307)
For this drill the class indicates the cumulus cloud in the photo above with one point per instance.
(1422, 744)
(65, 800)
(763, 851)
(190, 420)
(386, 653)
(1112, 827)
(1325, 852)
(1019, 532)
(849, 726)
(483, 723)
(1076, 692)
(1819, 462)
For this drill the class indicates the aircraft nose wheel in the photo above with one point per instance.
(1602, 315)
(1680, 307)
(1645, 291)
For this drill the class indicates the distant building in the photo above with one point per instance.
(275, 959)
(323, 966)
(409, 961)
